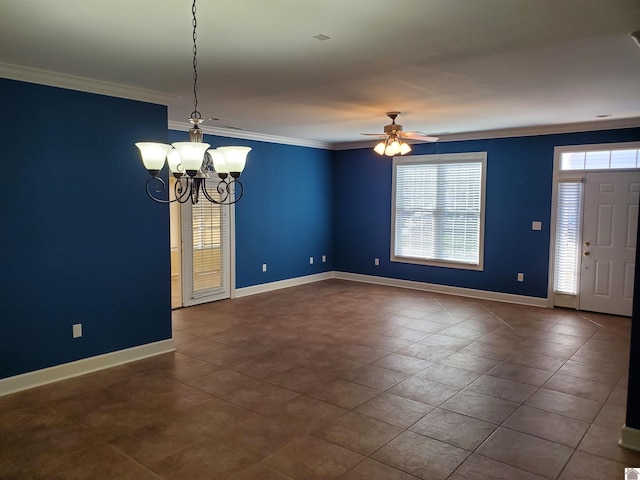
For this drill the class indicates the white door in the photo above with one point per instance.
(610, 225)
(205, 251)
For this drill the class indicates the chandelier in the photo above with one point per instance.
(192, 163)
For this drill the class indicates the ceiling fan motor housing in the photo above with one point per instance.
(392, 129)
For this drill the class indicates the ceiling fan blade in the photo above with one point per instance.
(374, 134)
(419, 136)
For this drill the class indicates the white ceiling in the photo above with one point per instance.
(449, 65)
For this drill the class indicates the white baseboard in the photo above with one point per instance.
(445, 289)
(291, 282)
(630, 438)
(80, 367)
(394, 282)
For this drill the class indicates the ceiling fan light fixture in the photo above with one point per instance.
(380, 147)
(393, 138)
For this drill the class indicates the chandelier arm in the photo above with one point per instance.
(181, 191)
(160, 187)
(210, 198)
(237, 183)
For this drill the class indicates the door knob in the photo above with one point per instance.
(587, 243)
(586, 253)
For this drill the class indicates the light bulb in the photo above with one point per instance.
(379, 148)
(404, 148)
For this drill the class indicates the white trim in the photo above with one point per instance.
(245, 135)
(444, 289)
(394, 282)
(291, 282)
(632, 122)
(81, 367)
(232, 250)
(82, 84)
(630, 438)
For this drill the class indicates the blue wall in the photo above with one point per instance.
(519, 184)
(286, 213)
(80, 241)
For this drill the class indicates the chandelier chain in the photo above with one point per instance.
(195, 113)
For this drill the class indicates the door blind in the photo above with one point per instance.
(567, 238)
(207, 242)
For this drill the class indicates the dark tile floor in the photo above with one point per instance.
(341, 380)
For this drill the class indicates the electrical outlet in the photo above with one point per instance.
(264, 267)
(310, 260)
(77, 330)
(536, 225)
(324, 258)
(376, 261)
(521, 277)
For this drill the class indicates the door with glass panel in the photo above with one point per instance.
(596, 220)
(205, 251)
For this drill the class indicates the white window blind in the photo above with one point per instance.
(438, 210)
(207, 242)
(567, 237)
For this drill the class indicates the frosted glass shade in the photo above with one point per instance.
(175, 162)
(404, 148)
(379, 148)
(191, 154)
(394, 147)
(235, 158)
(219, 165)
(153, 155)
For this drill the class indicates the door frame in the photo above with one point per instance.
(564, 300)
(232, 253)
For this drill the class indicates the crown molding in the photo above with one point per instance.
(82, 84)
(244, 135)
(633, 122)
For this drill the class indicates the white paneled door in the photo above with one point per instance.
(205, 251)
(610, 223)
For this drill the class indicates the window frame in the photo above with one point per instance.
(447, 158)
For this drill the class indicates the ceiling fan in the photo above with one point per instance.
(393, 136)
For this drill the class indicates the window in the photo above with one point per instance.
(628, 158)
(438, 210)
(567, 237)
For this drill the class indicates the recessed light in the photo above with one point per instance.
(321, 37)
(603, 116)
(636, 37)
(213, 119)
